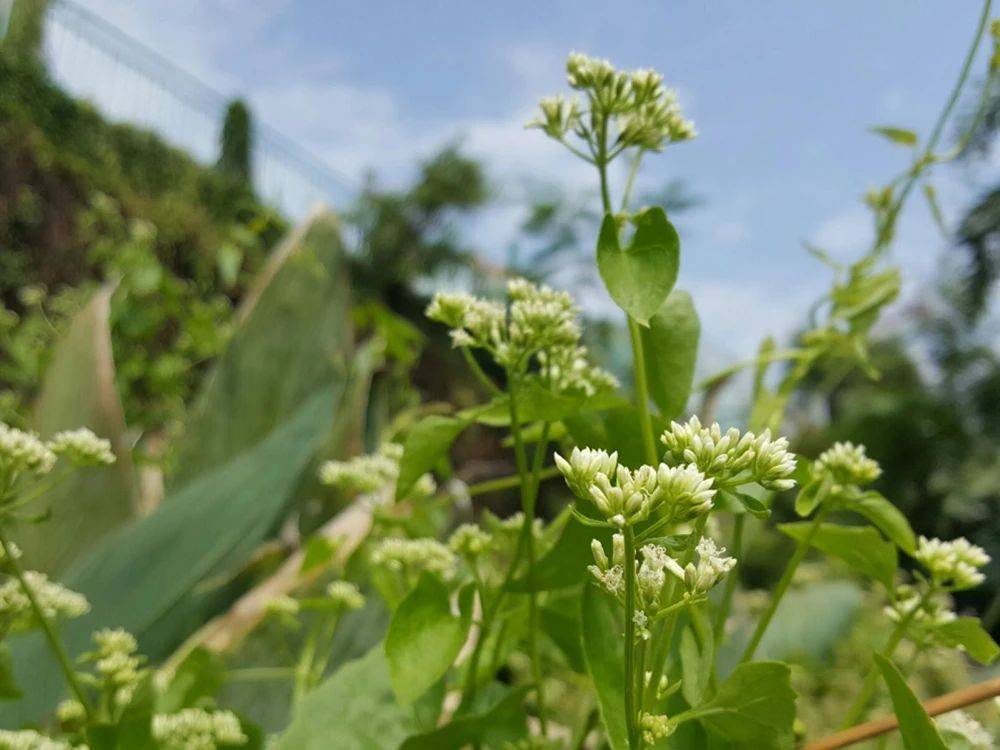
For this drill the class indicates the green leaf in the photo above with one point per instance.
(9, 691)
(427, 443)
(209, 526)
(199, 676)
(754, 706)
(968, 634)
(603, 649)
(565, 564)
(78, 390)
(354, 709)
(670, 345)
(888, 518)
(902, 136)
(294, 337)
(424, 638)
(812, 494)
(503, 722)
(861, 547)
(560, 621)
(916, 727)
(748, 503)
(696, 668)
(640, 276)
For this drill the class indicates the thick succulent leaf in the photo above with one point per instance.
(424, 638)
(861, 547)
(640, 276)
(603, 649)
(354, 709)
(670, 344)
(79, 391)
(754, 707)
(916, 727)
(235, 493)
(504, 722)
(295, 335)
(968, 634)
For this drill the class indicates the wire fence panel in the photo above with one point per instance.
(128, 82)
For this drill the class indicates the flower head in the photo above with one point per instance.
(655, 727)
(406, 555)
(960, 728)
(610, 574)
(197, 729)
(685, 490)
(712, 565)
(376, 472)
(115, 660)
(847, 463)
(955, 564)
(28, 739)
(469, 541)
(82, 447)
(345, 594)
(56, 601)
(21, 452)
(583, 466)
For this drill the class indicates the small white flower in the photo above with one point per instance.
(197, 729)
(958, 726)
(712, 565)
(56, 601)
(28, 739)
(955, 563)
(22, 451)
(685, 490)
(414, 555)
(847, 463)
(469, 540)
(584, 465)
(346, 594)
(82, 447)
(655, 727)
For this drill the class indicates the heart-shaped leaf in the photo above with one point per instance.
(671, 347)
(639, 277)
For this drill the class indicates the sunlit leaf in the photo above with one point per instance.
(426, 444)
(916, 727)
(888, 518)
(670, 345)
(861, 547)
(424, 638)
(639, 277)
(755, 706)
(968, 634)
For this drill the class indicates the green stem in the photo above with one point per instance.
(642, 392)
(508, 483)
(630, 182)
(630, 704)
(304, 667)
(860, 705)
(479, 374)
(666, 635)
(260, 674)
(527, 533)
(786, 580)
(47, 627)
(736, 550)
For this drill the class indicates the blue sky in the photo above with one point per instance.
(782, 94)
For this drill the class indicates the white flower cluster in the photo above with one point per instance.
(539, 324)
(958, 729)
(345, 594)
(196, 729)
(712, 565)
(847, 464)
(372, 473)
(647, 114)
(954, 564)
(27, 739)
(22, 451)
(82, 447)
(624, 496)
(470, 541)
(924, 613)
(116, 662)
(414, 555)
(610, 574)
(655, 727)
(71, 714)
(731, 458)
(55, 601)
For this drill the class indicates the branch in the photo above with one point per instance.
(967, 696)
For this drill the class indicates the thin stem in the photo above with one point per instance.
(736, 550)
(479, 374)
(630, 182)
(508, 483)
(642, 392)
(666, 636)
(786, 580)
(630, 704)
(864, 696)
(304, 667)
(47, 627)
(527, 533)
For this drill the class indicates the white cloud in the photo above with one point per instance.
(845, 236)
